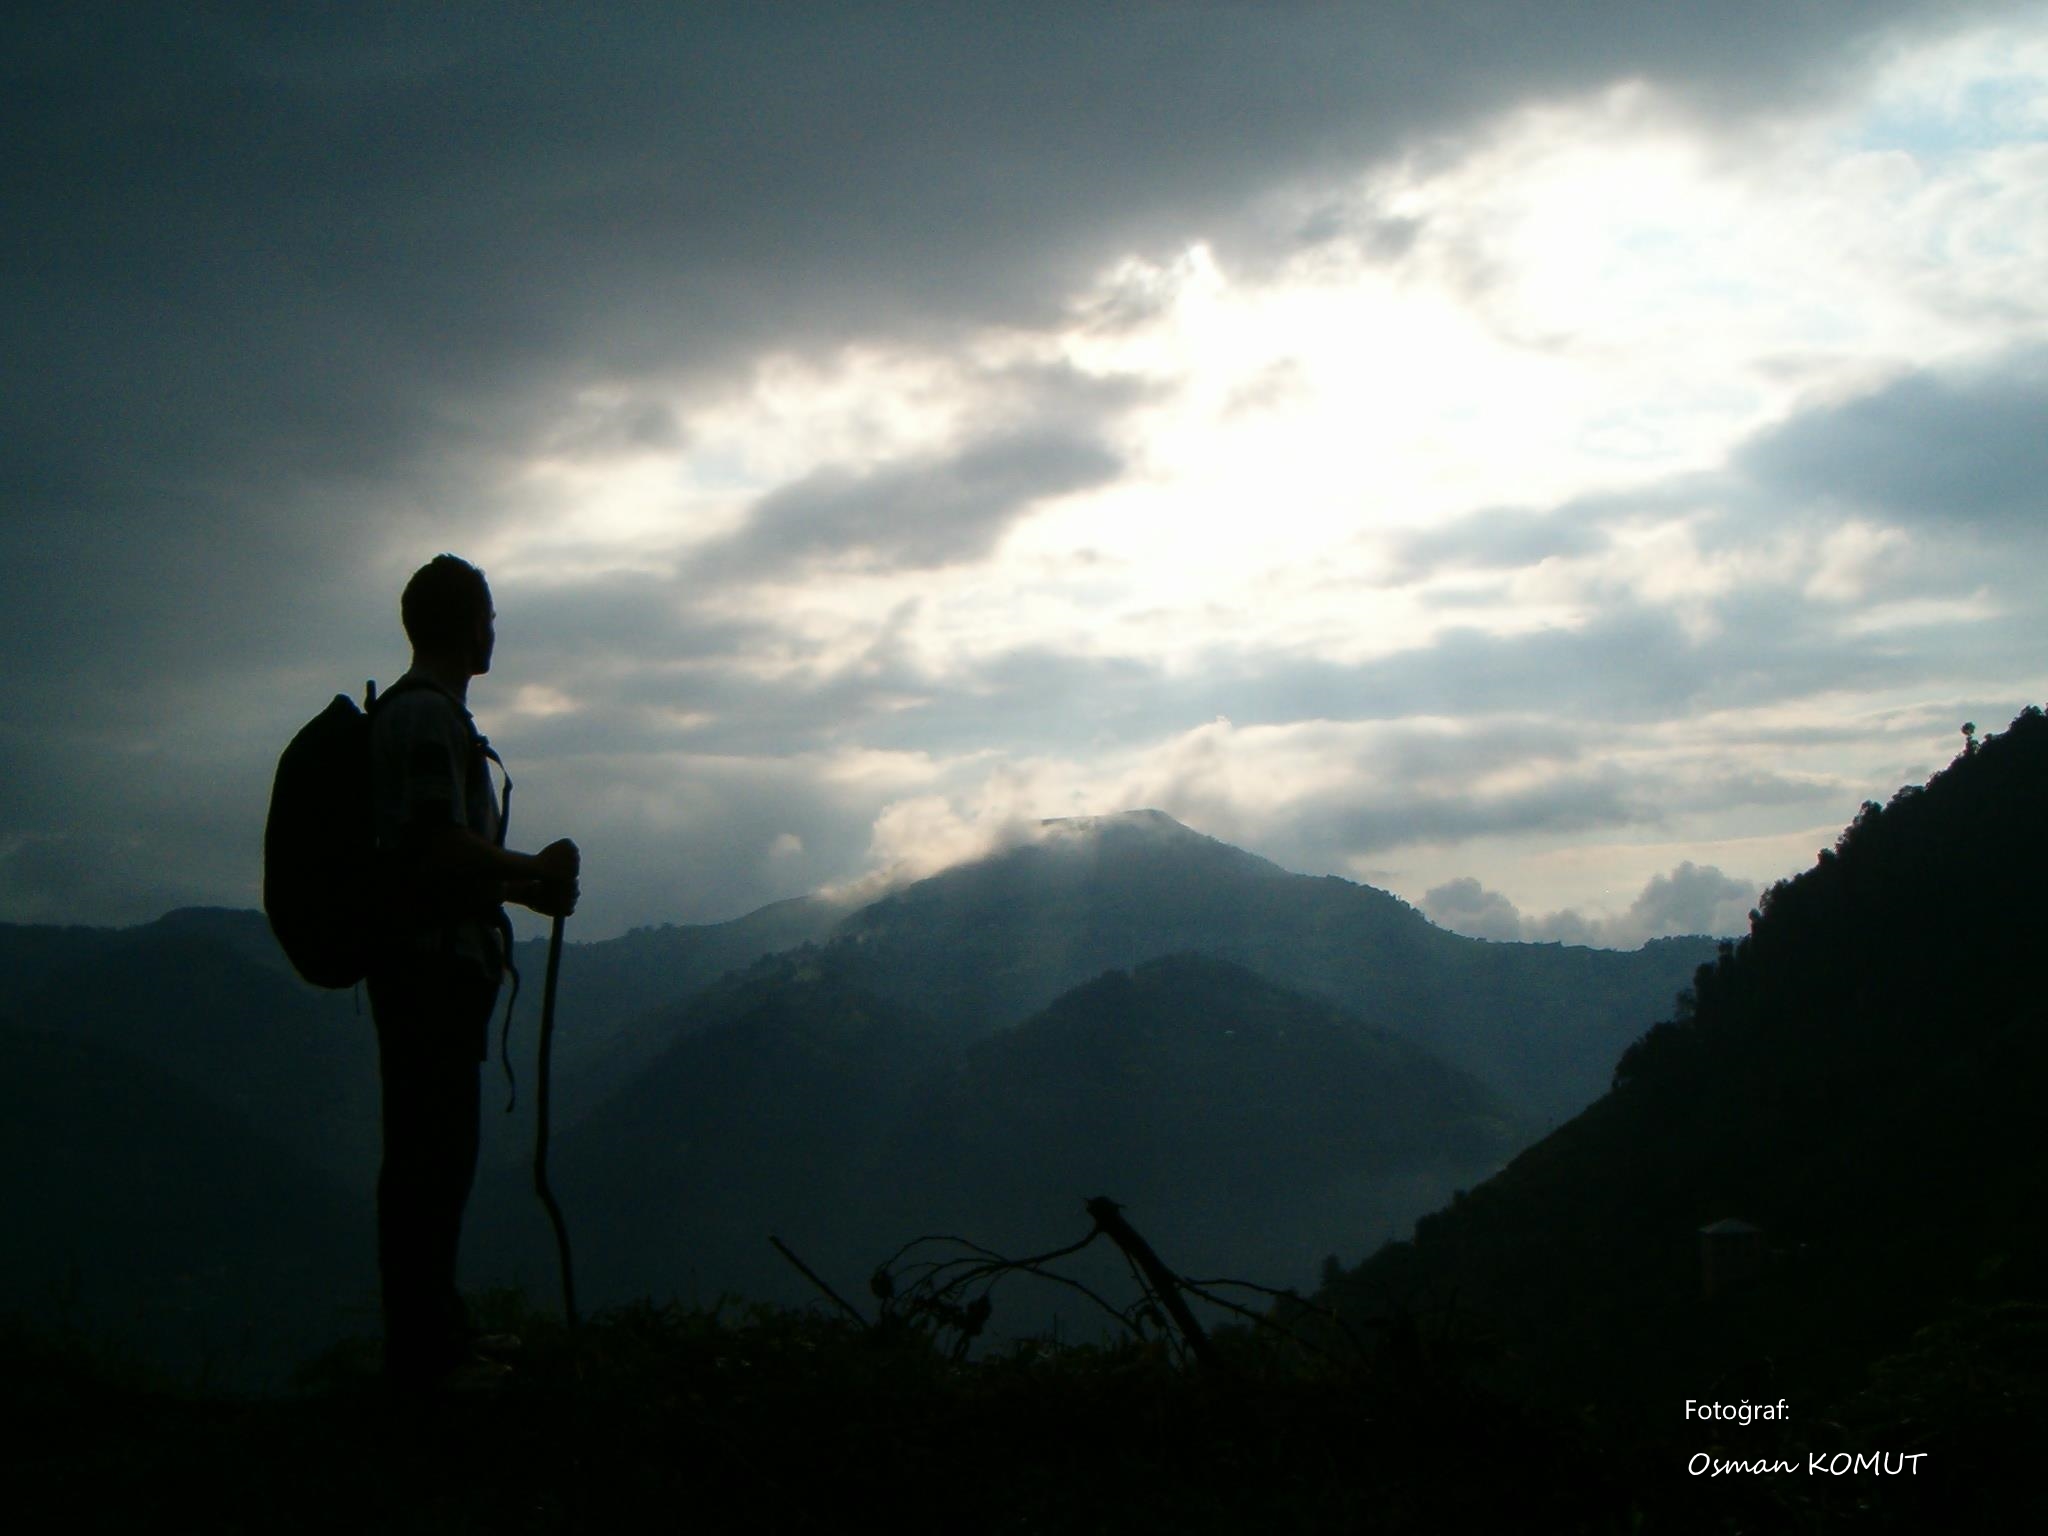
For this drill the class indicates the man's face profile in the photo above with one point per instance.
(486, 634)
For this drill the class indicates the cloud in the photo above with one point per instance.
(1690, 899)
(1938, 450)
(1320, 796)
(305, 295)
(910, 516)
(373, 229)
(54, 878)
(935, 478)
(1465, 906)
(684, 837)
(922, 835)
(1494, 539)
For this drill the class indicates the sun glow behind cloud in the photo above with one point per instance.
(1591, 298)
(1595, 301)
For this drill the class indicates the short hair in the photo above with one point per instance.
(443, 601)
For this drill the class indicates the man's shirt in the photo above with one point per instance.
(428, 772)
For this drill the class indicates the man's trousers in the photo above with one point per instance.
(433, 1019)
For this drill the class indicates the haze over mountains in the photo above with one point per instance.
(1267, 1067)
(1247, 1125)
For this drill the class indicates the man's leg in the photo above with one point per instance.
(427, 1025)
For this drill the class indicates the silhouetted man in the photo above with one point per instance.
(443, 950)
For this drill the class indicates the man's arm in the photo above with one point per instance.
(545, 882)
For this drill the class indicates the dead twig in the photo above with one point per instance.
(939, 1287)
(1294, 1299)
(812, 1275)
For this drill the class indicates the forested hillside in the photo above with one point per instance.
(1858, 1080)
(989, 943)
(142, 1215)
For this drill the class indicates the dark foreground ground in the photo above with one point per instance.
(656, 1418)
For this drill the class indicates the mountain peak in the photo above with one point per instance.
(1144, 832)
(1146, 820)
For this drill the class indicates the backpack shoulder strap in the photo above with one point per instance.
(412, 682)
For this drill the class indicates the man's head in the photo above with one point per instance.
(447, 612)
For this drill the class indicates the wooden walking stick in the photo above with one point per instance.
(540, 1133)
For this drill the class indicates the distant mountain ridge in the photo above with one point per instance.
(869, 1006)
(989, 942)
(204, 996)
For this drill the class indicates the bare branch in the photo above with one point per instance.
(811, 1275)
(1292, 1298)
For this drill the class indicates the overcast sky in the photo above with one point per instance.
(1553, 462)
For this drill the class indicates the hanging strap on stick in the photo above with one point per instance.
(540, 1134)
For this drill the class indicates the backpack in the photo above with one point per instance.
(328, 893)
(320, 884)
(326, 890)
